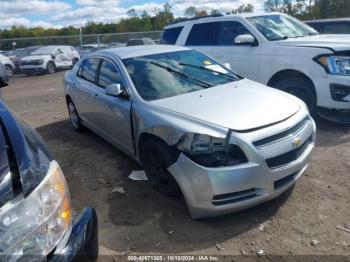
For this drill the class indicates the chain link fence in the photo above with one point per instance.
(25, 57)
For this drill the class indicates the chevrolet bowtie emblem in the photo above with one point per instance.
(296, 142)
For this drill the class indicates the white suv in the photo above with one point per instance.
(277, 50)
(49, 58)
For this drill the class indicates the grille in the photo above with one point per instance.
(34, 63)
(284, 181)
(288, 157)
(281, 135)
(224, 199)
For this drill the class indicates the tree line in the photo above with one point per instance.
(302, 9)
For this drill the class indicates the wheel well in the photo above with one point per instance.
(290, 74)
(147, 136)
(68, 99)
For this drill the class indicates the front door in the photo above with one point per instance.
(217, 39)
(113, 112)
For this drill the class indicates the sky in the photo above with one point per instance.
(61, 13)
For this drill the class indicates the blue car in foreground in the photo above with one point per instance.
(36, 218)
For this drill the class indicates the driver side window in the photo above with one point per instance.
(109, 74)
(229, 31)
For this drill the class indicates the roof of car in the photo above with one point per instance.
(329, 20)
(221, 17)
(141, 50)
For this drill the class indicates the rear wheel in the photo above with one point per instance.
(75, 60)
(9, 70)
(74, 116)
(50, 67)
(156, 157)
(300, 88)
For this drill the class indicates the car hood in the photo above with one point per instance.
(241, 106)
(334, 42)
(35, 57)
(23, 157)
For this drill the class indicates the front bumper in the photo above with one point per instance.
(326, 96)
(32, 69)
(217, 191)
(82, 244)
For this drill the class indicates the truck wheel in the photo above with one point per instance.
(300, 88)
(9, 70)
(156, 157)
(50, 67)
(74, 116)
(75, 60)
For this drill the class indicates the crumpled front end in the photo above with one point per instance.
(276, 157)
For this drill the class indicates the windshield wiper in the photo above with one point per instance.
(208, 69)
(171, 70)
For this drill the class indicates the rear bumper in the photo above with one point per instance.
(83, 241)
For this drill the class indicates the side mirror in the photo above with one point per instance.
(245, 40)
(227, 65)
(115, 90)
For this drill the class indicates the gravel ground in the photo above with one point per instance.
(301, 222)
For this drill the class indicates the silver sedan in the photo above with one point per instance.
(224, 142)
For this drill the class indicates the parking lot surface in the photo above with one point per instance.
(301, 222)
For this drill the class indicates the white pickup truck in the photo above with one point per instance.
(277, 50)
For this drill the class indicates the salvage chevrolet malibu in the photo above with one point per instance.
(225, 142)
(36, 219)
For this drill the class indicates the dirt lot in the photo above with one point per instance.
(142, 221)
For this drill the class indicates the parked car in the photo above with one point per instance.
(277, 50)
(331, 26)
(36, 217)
(4, 80)
(49, 59)
(225, 142)
(17, 55)
(140, 41)
(9, 65)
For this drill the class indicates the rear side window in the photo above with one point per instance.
(337, 28)
(108, 74)
(204, 34)
(89, 69)
(171, 35)
(319, 27)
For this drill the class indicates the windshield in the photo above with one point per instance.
(46, 50)
(170, 74)
(279, 27)
(23, 52)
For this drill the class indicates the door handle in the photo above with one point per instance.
(97, 97)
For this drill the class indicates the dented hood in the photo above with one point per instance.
(240, 106)
(334, 42)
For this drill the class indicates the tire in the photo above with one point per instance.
(156, 157)
(9, 70)
(300, 88)
(50, 67)
(74, 61)
(74, 116)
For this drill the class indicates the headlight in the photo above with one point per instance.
(35, 225)
(335, 65)
(211, 151)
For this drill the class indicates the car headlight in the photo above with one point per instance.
(335, 65)
(36, 224)
(211, 151)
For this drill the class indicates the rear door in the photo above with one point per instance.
(217, 39)
(86, 89)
